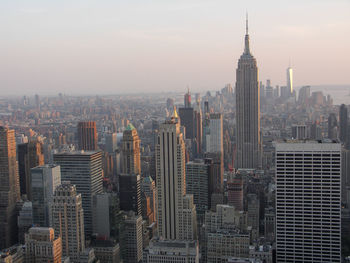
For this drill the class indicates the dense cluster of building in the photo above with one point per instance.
(252, 174)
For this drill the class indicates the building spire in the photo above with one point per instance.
(246, 42)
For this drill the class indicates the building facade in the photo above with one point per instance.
(87, 136)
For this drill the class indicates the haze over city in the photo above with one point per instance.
(100, 47)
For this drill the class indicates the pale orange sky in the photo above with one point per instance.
(109, 46)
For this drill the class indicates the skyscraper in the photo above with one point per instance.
(216, 134)
(87, 136)
(308, 202)
(247, 110)
(187, 99)
(45, 179)
(68, 220)
(170, 181)
(290, 80)
(9, 188)
(131, 151)
(332, 126)
(343, 121)
(84, 170)
(130, 192)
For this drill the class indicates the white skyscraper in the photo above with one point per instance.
(290, 80)
(171, 183)
(308, 202)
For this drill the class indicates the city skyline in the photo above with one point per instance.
(162, 46)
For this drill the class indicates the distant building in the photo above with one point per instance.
(299, 132)
(148, 188)
(247, 110)
(332, 127)
(84, 170)
(106, 251)
(44, 180)
(130, 192)
(24, 220)
(235, 193)
(216, 134)
(165, 251)
(87, 136)
(290, 80)
(9, 188)
(42, 246)
(343, 123)
(131, 151)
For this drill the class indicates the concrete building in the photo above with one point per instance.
(216, 134)
(9, 188)
(131, 151)
(263, 253)
(253, 215)
(84, 170)
(308, 202)
(42, 246)
(235, 193)
(24, 220)
(68, 220)
(332, 126)
(106, 251)
(343, 123)
(44, 180)
(131, 238)
(87, 136)
(247, 110)
(170, 181)
(165, 251)
(299, 132)
(148, 188)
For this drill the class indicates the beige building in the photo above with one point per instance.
(131, 151)
(42, 246)
(68, 220)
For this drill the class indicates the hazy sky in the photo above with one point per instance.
(111, 46)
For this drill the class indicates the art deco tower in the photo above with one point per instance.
(9, 188)
(131, 151)
(247, 110)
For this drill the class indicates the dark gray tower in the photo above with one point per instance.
(343, 122)
(247, 110)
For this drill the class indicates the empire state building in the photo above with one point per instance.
(247, 110)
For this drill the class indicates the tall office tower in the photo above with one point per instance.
(164, 251)
(148, 187)
(106, 215)
(343, 123)
(130, 192)
(9, 188)
(187, 120)
(315, 131)
(68, 220)
(216, 134)
(270, 224)
(84, 170)
(299, 132)
(187, 99)
(253, 215)
(42, 246)
(45, 180)
(197, 129)
(235, 193)
(290, 80)
(170, 180)
(304, 94)
(24, 220)
(197, 184)
(111, 142)
(332, 126)
(308, 205)
(29, 155)
(131, 238)
(131, 151)
(216, 178)
(247, 110)
(87, 136)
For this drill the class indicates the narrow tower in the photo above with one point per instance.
(247, 109)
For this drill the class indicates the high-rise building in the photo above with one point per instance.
(343, 123)
(131, 151)
(197, 184)
(187, 120)
(247, 110)
(290, 80)
(87, 136)
(30, 155)
(9, 188)
(171, 181)
(42, 246)
(130, 192)
(299, 132)
(216, 134)
(111, 142)
(148, 188)
(253, 215)
(24, 220)
(235, 193)
(164, 251)
(304, 95)
(187, 99)
(68, 220)
(84, 170)
(131, 238)
(45, 179)
(308, 202)
(332, 126)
